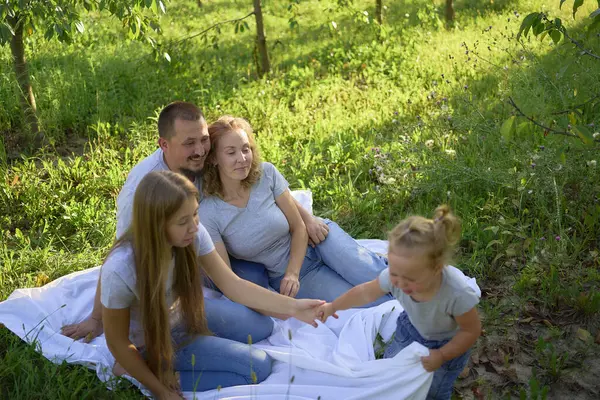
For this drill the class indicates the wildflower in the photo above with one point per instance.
(451, 152)
(557, 238)
(543, 238)
(595, 135)
(429, 143)
(394, 121)
(591, 163)
(533, 165)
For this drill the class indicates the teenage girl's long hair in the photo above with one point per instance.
(157, 198)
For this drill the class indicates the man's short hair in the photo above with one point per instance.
(176, 110)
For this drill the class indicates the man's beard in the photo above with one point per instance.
(192, 175)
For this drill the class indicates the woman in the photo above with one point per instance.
(249, 213)
(152, 302)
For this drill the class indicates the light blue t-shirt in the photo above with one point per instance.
(258, 232)
(434, 319)
(154, 162)
(119, 283)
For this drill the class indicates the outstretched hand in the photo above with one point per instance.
(326, 311)
(317, 231)
(87, 329)
(306, 310)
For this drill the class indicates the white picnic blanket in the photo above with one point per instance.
(334, 361)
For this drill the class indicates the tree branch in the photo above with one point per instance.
(213, 27)
(576, 43)
(547, 128)
(575, 107)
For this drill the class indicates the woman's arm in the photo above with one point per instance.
(254, 296)
(290, 283)
(126, 354)
(470, 329)
(220, 247)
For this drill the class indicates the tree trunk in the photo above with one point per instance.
(378, 11)
(21, 70)
(261, 41)
(449, 11)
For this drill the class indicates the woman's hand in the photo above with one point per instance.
(307, 310)
(326, 311)
(87, 329)
(290, 285)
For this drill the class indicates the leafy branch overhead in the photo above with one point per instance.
(577, 124)
(61, 19)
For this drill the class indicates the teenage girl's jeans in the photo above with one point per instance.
(209, 361)
(335, 266)
(231, 320)
(443, 377)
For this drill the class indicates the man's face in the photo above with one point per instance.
(187, 149)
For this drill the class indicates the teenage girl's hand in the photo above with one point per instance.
(87, 329)
(317, 231)
(307, 310)
(290, 285)
(326, 311)
(433, 361)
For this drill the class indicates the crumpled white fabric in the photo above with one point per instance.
(334, 361)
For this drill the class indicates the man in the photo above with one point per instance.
(183, 146)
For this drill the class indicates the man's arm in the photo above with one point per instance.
(317, 230)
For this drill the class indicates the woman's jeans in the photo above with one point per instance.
(209, 362)
(335, 266)
(231, 320)
(443, 377)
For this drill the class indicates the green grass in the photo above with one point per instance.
(376, 129)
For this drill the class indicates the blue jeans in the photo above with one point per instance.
(445, 376)
(219, 362)
(319, 281)
(336, 265)
(231, 320)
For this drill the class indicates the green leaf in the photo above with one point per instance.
(167, 56)
(538, 27)
(584, 134)
(576, 5)
(79, 26)
(508, 128)
(527, 23)
(162, 6)
(561, 3)
(556, 36)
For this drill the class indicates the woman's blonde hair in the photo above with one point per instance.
(211, 180)
(157, 198)
(436, 237)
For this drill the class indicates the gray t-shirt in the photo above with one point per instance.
(118, 284)
(434, 319)
(259, 232)
(154, 162)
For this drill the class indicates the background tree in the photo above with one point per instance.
(61, 19)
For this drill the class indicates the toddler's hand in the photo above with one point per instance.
(326, 311)
(433, 361)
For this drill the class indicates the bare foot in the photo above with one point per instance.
(118, 370)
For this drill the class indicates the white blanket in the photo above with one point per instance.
(334, 361)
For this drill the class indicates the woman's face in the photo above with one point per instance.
(234, 155)
(183, 225)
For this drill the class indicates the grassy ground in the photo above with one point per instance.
(378, 125)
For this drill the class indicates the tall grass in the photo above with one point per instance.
(378, 123)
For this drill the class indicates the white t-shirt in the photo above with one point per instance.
(154, 162)
(119, 289)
